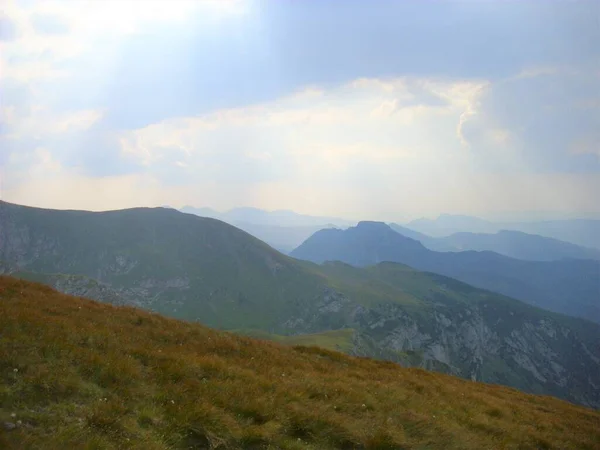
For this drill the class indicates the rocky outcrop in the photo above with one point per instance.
(481, 342)
(536, 356)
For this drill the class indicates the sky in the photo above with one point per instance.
(380, 110)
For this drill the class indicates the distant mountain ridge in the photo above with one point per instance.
(282, 230)
(514, 244)
(282, 218)
(205, 270)
(567, 286)
(583, 232)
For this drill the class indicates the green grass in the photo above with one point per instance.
(79, 374)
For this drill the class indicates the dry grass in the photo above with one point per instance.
(80, 374)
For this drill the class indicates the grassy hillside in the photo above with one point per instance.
(337, 340)
(79, 374)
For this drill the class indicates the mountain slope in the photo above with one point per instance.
(175, 263)
(79, 374)
(283, 238)
(417, 236)
(567, 286)
(436, 322)
(205, 270)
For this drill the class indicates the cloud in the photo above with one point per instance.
(8, 30)
(339, 129)
(394, 140)
(543, 121)
(48, 24)
(586, 144)
(462, 107)
(39, 121)
(225, 55)
(48, 183)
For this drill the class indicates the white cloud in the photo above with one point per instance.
(543, 119)
(364, 121)
(41, 122)
(91, 26)
(48, 184)
(370, 147)
(587, 144)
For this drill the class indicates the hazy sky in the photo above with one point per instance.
(380, 109)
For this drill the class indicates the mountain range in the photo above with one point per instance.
(202, 269)
(569, 286)
(582, 232)
(515, 244)
(286, 230)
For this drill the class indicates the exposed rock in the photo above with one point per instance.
(332, 302)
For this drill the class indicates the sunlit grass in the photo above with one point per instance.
(80, 374)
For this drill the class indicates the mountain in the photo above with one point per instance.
(255, 216)
(567, 286)
(515, 244)
(202, 212)
(80, 374)
(205, 270)
(582, 232)
(283, 238)
(447, 224)
(175, 263)
(518, 245)
(407, 232)
(283, 230)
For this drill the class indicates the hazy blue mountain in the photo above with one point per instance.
(408, 232)
(279, 218)
(282, 218)
(515, 244)
(447, 224)
(202, 269)
(282, 238)
(567, 286)
(202, 212)
(582, 232)
(282, 230)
